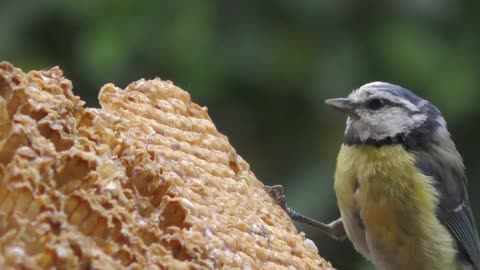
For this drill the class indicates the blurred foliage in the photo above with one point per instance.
(264, 68)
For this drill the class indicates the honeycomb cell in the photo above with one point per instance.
(144, 182)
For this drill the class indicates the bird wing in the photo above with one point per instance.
(446, 168)
(462, 226)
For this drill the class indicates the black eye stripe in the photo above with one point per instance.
(375, 103)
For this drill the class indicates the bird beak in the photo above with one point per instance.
(345, 105)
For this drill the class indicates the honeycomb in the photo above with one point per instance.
(145, 182)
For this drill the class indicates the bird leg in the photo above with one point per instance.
(334, 229)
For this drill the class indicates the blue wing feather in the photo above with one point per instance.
(462, 226)
(454, 210)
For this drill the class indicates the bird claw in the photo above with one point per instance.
(276, 192)
(334, 229)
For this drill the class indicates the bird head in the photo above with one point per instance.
(380, 112)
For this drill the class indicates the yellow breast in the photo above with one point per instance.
(388, 209)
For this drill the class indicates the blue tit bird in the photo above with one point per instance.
(400, 184)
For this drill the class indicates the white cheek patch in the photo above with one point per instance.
(389, 122)
(418, 119)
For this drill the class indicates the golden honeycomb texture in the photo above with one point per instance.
(144, 182)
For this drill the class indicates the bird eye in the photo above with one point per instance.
(375, 104)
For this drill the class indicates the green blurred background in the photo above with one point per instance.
(263, 68)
